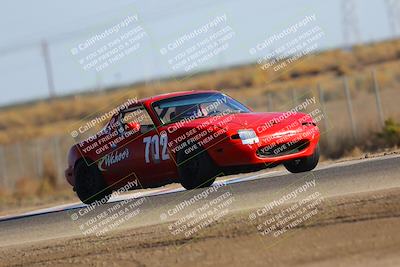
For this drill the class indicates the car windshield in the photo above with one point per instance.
(190, 107)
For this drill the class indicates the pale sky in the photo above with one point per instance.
(65, 24)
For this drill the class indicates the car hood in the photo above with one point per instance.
(267, 122)
(255, 119)
(260, 122)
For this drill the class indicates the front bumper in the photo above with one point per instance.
(273, 149)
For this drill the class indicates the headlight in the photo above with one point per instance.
(248, 137)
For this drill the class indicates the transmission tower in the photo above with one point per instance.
(351, 33)
(393, 12)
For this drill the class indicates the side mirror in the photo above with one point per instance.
(133, 126)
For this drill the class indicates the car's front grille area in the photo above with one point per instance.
(282, 149)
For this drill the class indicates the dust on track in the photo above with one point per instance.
(357, 229)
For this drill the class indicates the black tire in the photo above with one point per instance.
(89, 184)
(196, 169)
(303, 164)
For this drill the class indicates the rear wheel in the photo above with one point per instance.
(303, 164)
(196, 169)
(89, 184)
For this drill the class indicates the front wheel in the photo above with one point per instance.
(303, 164)
(196, 169)
(89, 184)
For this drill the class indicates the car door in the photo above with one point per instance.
(115, 162)
(147, 152)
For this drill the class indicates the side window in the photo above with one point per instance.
(165, 114)
(138, 115)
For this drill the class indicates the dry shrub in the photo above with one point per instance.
(355, 152)
(26, 187)
(337, 147)
(46, 188)
(4, 194)
(30, 189)
(388, 138)
(50, 172)
(4, 198)
(390, 135)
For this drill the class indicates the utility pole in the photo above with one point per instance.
(49, 71)
(350, 108)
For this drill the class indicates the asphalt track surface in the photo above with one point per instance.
(251, 191)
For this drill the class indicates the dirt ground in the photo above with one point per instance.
(353, 230)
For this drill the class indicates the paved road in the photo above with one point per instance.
(250, 191)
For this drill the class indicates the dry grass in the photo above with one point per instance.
(33, 193)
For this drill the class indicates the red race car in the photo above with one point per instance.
(190, 138)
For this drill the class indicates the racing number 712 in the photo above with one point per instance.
(157, 143)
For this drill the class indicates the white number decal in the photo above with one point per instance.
(154, 142)
(147, 140)
(164, 143)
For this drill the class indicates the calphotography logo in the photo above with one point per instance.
(112, 158)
